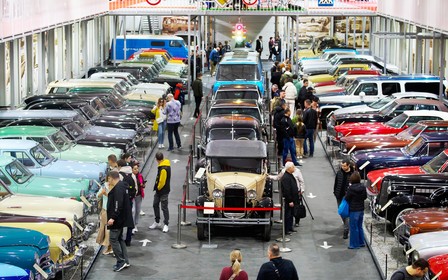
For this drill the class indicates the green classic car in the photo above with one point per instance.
(58, 144)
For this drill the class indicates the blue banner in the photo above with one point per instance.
(326, 3)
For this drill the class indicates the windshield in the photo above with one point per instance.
(42, 156)
(247, 165)
(381, 102)
(89, 111)
(398, 121)
(435, 164)
(341, 80)
(237, 95)
(241, 72)
(60, 141)
(389, 109)
(82, 122)
(18, 172)
(99, 105)
(414, 146)
(412, 131)
(253, 112)
(333, 70)
(133, 80)
(74, 130)
(352, 87)
(232, 134)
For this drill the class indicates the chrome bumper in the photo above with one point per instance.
(74, 261)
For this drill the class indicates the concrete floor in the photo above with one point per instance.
(159, 261)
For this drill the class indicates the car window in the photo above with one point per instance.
(400, 109)
(18, 172)
(5, 179)
(342, 70)
(427, 107)
(416, 119)
(436, 148)
(175, 43)
(390, 88)
(43, 141)
(432, 87)
(158, 43)
(20, 156)
(368, 89)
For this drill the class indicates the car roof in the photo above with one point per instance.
(150, 37)
(400, 77)
(235, 103)
(434, 123)
(111, 74)
(236, 120)
(27, 130)
(233, 149)
(417, 101)
(237, 86)
(23, 114)
(17, 144)
(434, 137)
(431, 113)
(399, 95)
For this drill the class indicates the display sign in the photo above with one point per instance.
(250, 2)
(153, 2)
(223, 3)
(325, 3)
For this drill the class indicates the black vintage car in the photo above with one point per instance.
(140, 73)
(409, 192)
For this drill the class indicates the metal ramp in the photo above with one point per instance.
(150, 25)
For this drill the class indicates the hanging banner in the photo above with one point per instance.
(223, 3)
(325, 3)
(250, 2)
(153, 2)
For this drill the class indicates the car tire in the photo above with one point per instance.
(200, 227)
(266, 234)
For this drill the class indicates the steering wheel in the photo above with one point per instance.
(242, 138)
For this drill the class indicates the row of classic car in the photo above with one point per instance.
(396, 136)
(234, 149)
(53, 157)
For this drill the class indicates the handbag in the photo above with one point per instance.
(344, 210)
(299, 210)
(161, 118)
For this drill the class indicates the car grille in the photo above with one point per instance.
(46, 264)
(234, 196)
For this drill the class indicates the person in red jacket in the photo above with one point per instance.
(234, 271)
(179, 95)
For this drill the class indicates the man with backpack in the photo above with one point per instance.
(162, 189)
(129, 180)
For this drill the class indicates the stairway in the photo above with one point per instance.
(150, 25)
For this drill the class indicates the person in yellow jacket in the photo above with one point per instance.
(159, 124)
(162, 189)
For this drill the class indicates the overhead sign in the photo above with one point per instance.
(223, 3)
(250, 2)
(153, 2)
(325, 3)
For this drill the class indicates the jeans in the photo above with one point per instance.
(118, 246)
(161, 132)
(356, 232)
(197, 101)
(161, 199)
(173, 128)
(289, 217)
(344, 220)
(137, 207)
(309, 135)
(289, 145)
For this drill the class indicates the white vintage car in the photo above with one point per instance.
(427, 245)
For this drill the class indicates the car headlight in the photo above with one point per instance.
(389, 189)
(415, 256)
(340, 135)
(217, 193)
(251, 194)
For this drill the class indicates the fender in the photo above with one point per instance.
(414, 201)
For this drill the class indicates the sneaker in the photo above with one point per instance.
(119, 267)
(180, 147)
(107, 252)
(162, 146)
(127, 265)
(134, 230)
(169, 150)
(165, 228)
(142, 213)
(300, 161)
(155, 225)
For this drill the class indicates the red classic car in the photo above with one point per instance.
(365, 142)
(438, 164)
(438, 264)
(394, 126)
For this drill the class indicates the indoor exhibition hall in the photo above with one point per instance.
(223, 139)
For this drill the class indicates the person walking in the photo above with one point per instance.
(341, 182)
(129, 179)
(355, 196)
(137, 206)
(302, 93)
(103, 232)
(119, 215)
(259, 45)
(160, 123)
(173, 114)
(291, 95)
(288, 133)
(198, 93)
(112, 162)
(276, 75)
(277, 267)
(214, 60)
(310, 119)
(270, 45)
(289, 191)
(162, 190)
(234, 272)
(416, 271)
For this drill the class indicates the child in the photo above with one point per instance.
(301, 130)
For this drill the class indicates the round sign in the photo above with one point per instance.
(153, 2)
(250, 2)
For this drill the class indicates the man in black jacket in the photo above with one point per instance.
(119, 215)
(288, 132)
(290, 193)
(310, 119)
(341, 182)
(278, 114)
(162, 189)
(277, 267)
(259, 45)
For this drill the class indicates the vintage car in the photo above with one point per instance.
(438, 164)
(416, 221)
(230, 127)
(238, 107)
(44, 206)
(336, 70)
(438, 264)
(427, 245)
(21, 180)
(344, 80)
(24, 248)
(140, 73)
(41, 163)
(237, 91)
(60, 232)
(365, 142)
(54, 141)
(236, 177)
(418, 152)
(12, 272)
(394, 126)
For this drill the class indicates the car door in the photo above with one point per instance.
(367, 93)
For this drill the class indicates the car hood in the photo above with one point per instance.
(22, 237)
(434, 218)
(57, 187)
(353, 117)
(89, 153)
(366, 128)
(374, 141)
(249, 180)
(373, 155)
(324, 90)
(42, 206)
(354, 110)
(429, 242)
(74, 169)
(381, 173)
(111, 132)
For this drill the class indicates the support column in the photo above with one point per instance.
(61, 55)
(418, 52)
(51, 55)
(402, 49)
(296, 63)
(126, 55)
(189, 59)
(363, 34)
(442, 65)
(102, 39)
(29, 66)
(3, 74)
(68, 36)
(41, 70)
(347, 28)
(436, 46)
(85, 49)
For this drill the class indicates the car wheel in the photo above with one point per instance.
(394, 219)
(267, 228)
(200, 227)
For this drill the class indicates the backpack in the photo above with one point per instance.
(127, 178)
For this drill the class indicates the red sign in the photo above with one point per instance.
(250, 2)
(153, 2)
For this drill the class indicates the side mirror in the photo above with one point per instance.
(362, 94)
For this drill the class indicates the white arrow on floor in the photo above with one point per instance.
(145, 241)
(311, 195)
(175, 160)
(191, 118)
(326, 246)
(185, 135)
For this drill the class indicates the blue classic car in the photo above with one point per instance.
(24, 248)
(418, 152)
(11, 272)
(41, 163)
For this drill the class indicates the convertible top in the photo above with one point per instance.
(236, 149)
